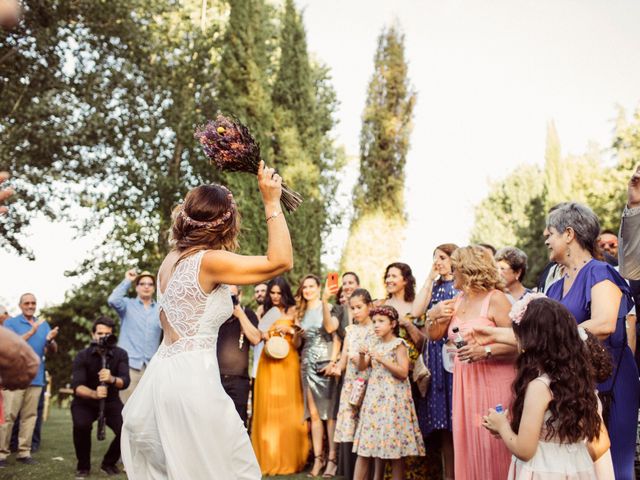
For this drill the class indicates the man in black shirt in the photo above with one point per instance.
(91, 383)
(234, 338)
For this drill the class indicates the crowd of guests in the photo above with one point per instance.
(487, 340)
(328, 377)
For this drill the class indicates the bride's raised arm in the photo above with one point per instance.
(219, 266)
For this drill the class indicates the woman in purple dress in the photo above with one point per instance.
(434, 411)
(599, 299)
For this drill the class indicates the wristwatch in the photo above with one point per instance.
(487, 350)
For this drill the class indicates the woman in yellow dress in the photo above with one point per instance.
(279, 432)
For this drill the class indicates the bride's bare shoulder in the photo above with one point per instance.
(167, 266)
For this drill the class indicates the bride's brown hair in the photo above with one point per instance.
(207, 220)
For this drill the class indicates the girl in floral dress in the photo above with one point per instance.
(357, 335)
(388, 426)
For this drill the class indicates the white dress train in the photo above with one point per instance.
(180, 424)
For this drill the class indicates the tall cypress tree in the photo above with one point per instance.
(293, 90)
(243, 92)
(557, 177)
(303, 118)
(376, 231)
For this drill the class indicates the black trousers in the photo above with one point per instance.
(83, 415)
(237, 387)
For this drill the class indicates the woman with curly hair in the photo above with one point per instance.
(482, 374)
(401, 293)
(555, 409)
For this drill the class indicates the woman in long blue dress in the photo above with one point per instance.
(434, 410)
(599, 298)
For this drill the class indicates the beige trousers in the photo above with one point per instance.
(25, 403)
(134, 376)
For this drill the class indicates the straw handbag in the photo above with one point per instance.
(276, 347)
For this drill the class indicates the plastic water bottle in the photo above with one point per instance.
(458, 340)
(499, 408)
(358, 392)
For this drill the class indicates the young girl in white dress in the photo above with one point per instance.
(357, 335)
(179, 423)
(555, 431)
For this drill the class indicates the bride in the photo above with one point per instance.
(179, 423)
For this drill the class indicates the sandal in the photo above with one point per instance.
(332, 468)
(318, 464)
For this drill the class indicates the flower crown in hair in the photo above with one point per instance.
(210, 223)
(520, 307)
(385, 310)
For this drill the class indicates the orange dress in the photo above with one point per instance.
(278, 430)
(477, 387)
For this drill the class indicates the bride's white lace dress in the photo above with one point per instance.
(179, 424)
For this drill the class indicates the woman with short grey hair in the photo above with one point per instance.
(512, 265)
(599, 299)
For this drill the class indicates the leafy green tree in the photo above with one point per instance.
(510, 211)
(515, 210)
(384, 142)
(303, 104)
(99, 109)
(244, 92)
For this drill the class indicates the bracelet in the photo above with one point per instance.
(273, 215)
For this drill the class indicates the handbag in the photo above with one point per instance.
(276, 347)
(606, 396)
(421, 373)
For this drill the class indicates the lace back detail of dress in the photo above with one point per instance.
(193, 314)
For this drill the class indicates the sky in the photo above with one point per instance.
(489, 75)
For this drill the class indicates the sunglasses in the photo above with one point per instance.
(145, 284)
(608, 244)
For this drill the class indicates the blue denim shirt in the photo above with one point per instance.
(140, 329)
(37, 341)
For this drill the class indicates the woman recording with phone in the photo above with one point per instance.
(319, 355)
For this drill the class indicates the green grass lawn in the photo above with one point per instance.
(56, 457)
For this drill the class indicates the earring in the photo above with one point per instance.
(568, 252)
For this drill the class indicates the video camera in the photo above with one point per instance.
(108, 341)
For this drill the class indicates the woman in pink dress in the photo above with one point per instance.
(483, 374)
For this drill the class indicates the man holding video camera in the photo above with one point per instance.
(99, 373)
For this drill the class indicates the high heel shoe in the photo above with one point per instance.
(332, 468)
(318, 464)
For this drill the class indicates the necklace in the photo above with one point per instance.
(578, 268)
(465, 303)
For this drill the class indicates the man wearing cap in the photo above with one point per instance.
(140, 331)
